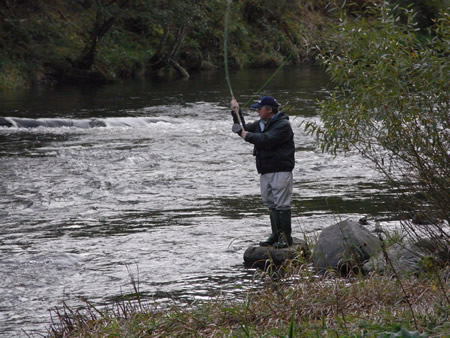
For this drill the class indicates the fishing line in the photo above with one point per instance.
(270, 79)
(225, 47)
(225, 55)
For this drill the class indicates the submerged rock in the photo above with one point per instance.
(345, 246)
(4, 122)
(262, 256)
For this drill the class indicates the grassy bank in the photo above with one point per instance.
(298, 305)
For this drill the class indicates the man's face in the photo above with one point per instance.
(265, 112)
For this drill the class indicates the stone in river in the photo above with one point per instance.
(262, 256)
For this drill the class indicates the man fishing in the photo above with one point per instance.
(274, 149)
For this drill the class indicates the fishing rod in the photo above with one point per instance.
(227, 75)
(225, 56)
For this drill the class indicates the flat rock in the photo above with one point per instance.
(262, 256)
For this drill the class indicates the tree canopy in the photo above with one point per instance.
(49, 41)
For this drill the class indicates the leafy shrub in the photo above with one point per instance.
(392, 105)
(12, 75)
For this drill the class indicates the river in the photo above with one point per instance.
(145, 180)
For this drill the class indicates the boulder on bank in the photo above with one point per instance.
(405, 258)
(262, 256)
(345, 246)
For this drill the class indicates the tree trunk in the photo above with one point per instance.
(101, 26)
(156, 59)
(183, 72)
(159, 61)
(86, 60)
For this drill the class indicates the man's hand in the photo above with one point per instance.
(243, 133)
(234, 105)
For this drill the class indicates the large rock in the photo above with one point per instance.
(344, 247)
(263, 256)
(405, 258)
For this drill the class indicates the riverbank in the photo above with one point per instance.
(55, 42)
(289, 299)
(103, 42)
(298, 304)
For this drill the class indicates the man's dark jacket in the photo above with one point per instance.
(274, 146)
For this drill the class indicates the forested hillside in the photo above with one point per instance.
(52, 41)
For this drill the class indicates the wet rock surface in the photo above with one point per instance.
(262, 256)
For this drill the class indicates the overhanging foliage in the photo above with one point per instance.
(391, 104)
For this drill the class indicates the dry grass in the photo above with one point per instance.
(299, 304)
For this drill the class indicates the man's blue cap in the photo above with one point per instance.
(266, 101)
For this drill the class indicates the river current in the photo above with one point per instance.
(145, 180)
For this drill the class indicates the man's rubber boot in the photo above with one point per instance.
(273, 238)
(285, 229)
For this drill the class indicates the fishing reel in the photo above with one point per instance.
(236, 128)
